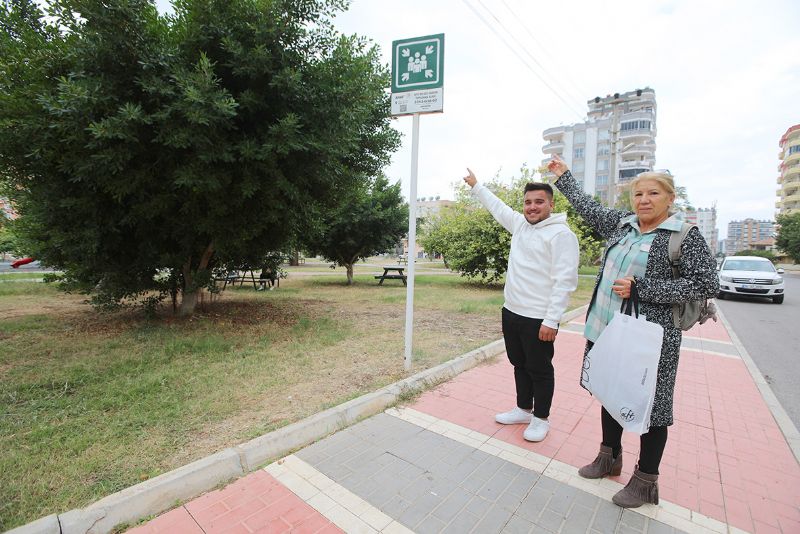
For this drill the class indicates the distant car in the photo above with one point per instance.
(750, 276)
(19, 263)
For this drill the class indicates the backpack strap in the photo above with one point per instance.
(675, 242)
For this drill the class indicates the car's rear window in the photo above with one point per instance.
(748, 265)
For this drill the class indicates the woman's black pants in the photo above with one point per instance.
(651, 445)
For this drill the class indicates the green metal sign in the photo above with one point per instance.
(418, 63)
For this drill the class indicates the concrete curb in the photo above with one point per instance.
(790, 432)
(165, 491)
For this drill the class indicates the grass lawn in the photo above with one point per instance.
(92, 403)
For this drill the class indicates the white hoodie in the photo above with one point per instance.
(542, 264)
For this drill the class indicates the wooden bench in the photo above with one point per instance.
(392, 269)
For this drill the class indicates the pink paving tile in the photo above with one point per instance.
(174, 521)
(737, 514)
(257, 502)
(712, 510)
(763, 528)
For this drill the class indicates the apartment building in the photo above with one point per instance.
(789, 169)
(706, 221)
(749, 234)
(613, 145)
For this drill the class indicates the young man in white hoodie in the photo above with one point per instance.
(542, 272)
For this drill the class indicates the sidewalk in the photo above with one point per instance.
(441, 464)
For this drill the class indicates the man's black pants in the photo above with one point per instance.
(533, 363)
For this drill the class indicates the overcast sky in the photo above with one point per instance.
(726, 76)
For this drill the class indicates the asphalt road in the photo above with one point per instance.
(771, 334)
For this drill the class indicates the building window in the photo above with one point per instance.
(602, 165)
(603, 135)
(578, 166)
(602, 179)
(625, 175)
(579, 138)
(794, 149)
(603, 150)
(579, 153)
(634, 125)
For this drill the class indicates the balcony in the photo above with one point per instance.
(790, 185)
(642, 133)
(554, 132)
(778, 204)
(554, 147)
(794, 170)
(636, 164)
(791, 157)
(629, 151)
(791, 199)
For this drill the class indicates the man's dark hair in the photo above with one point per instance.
(539, 186)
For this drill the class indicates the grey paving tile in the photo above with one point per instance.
(534, 503)
(588, 500)
(657, 527)
(494, 520)
(473, 484)
(420, 509)
(578, 520)
(419, 486)
(633, 520)
(562, 499)
(478, 506)
(625, 529)
(509, 501)
(550, 520)
(606, 517)
(495, 486)
(429, 525)
(522, 483)
(452, 505)
(518, 525)
(463, 522)
(396, 506)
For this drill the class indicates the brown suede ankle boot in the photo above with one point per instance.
(604, 465)
(642, 488)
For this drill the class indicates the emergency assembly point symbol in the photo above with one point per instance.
(417, 63)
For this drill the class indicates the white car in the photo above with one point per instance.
(750, 276)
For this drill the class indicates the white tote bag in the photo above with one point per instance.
(622, 366)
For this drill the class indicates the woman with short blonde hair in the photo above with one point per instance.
(637, 252)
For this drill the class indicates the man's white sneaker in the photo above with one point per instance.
(537, 430)
(514, 417)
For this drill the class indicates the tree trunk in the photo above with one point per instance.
(349, 267)
(294, 259)
(190, 292)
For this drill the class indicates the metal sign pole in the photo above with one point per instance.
(412, 241)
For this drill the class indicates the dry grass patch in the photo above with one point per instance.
(93, 403)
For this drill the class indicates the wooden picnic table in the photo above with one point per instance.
(392, 269)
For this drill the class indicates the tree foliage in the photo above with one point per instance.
(788, 239)
(475, 245)
(770, 255)
(134, 143)
(368, 222)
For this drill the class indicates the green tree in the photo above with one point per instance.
(134, 143)
(788, 239)
(475, 245)
(368, 222)
(757, 252)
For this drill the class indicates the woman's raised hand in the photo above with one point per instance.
(557, 166)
